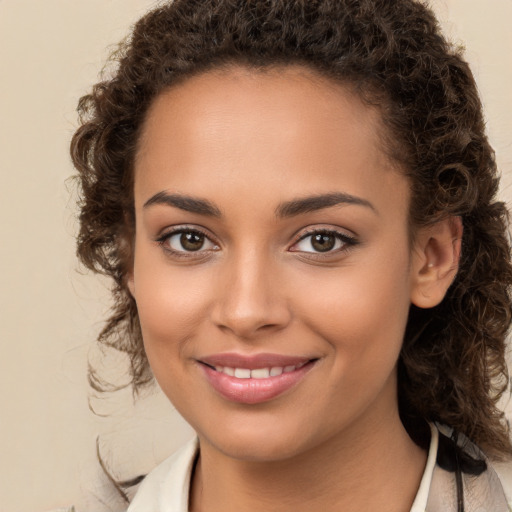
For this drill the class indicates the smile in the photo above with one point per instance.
(257, 373)
(257, 379)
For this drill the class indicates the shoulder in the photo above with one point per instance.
(463, 473)
(504, 471)
(166, 488)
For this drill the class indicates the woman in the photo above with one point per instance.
(296, 201)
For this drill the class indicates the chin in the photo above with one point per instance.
(264, 441)
(258, 449)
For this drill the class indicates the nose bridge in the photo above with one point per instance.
(250, 299)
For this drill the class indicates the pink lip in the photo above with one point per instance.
(254, 391)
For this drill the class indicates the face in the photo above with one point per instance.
(272, 260)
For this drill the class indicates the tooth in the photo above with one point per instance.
(277, 370)
(229, 371)
(288, 369)
(219, 369)
(242, 373)
(260, 373)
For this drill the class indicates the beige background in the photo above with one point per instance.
(50, 52)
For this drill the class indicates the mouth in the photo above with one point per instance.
(257, 379)
(257, 373)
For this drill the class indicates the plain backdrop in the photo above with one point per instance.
(50, 53)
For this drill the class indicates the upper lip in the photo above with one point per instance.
(253, 361)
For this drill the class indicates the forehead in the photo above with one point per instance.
(285, 127)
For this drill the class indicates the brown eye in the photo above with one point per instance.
(192, 241)
(323, 242)
(187, 241)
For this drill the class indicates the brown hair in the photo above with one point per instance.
(452, 367)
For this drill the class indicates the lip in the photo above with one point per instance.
(254, 391)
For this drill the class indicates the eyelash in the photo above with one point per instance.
(346, 241)
(165, 237)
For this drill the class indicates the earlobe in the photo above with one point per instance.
(435, 261)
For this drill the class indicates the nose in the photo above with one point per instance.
(251, 299)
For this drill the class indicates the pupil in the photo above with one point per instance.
(323, 242)
(191, 241)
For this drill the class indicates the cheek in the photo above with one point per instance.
(169, 307)
(169, 301)
(361, 310)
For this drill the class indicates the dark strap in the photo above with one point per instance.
(463, 481)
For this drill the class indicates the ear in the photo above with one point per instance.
(130, 283)
(435, 261)
(126, 250)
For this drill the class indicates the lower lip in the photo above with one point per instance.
(254, 391)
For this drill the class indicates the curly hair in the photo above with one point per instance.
(452, 366)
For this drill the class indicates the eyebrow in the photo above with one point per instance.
(319, 202)
(288, 209)
(186, 203)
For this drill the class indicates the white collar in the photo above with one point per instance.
(166, 488)
(420, 502)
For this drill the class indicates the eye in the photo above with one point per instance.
(323, 241)
(184, 240)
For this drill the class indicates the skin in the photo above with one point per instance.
(247, 142)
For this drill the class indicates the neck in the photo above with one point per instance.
(372, 467)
